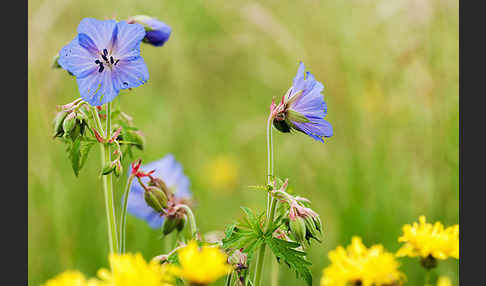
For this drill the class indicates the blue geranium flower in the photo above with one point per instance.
(170, 171)
(157, 32)
(105, 58)
(303, 108)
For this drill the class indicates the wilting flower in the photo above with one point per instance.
(168, 170)
(303, 108)
(71, 278)
(429, 241)
(157, 32)
(201, 266)
(131, 269)
(359, 265)
(105, 58)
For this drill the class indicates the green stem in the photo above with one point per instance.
(192, 220)
(274, 273)
(107, 180)
(427, 278)
(229, 278)
(271, 203)
(123, 217)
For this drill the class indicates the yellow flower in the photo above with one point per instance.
(222, 173)
(201, 266)
(444, 281)
(131, 269)
(360, 265)
(71, 278)
(424, 240)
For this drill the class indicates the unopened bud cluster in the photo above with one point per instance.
(161, 199)
(303, 224)
(71, 121)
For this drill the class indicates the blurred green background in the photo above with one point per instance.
(390, 71)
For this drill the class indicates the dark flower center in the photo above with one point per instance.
(106, 59)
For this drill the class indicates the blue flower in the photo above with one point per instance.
(105, 58)
(157, 32)
(303, 108)
(170, 171)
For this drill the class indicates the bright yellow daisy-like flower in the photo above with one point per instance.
(201, 266)
(359, 265)
(444, 281)
(429, 241)
(71, 278)
(131, 269)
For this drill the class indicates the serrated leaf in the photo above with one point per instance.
(295, 259)
(78, 151)
(247, 234)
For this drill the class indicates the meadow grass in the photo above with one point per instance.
(390, 71)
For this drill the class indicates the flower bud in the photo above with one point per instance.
(118, 168)
(298, 229)
(139, 139)
(157, 182)
(156, 32)
(58, 123)
(108, 168)
(156, 199)
(171, 223)
(69, 123)
(311, 230)
(181, 223)
(238, 259)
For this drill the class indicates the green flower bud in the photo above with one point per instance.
(77, 130)
(108, 168)
(69, 123)
(161, 185)
(118, 168)
(155, 198)
(58, 123)
(181, 223)
(139, 139)
(298, 229)
(170, 223)
(311, 230)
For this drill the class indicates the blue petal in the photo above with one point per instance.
(97, 88)
(127, 45)
(130, 73)
(159, 34)
(101, 32)
(76, 59)
(298, 82)
(86, 42)
(317, 130)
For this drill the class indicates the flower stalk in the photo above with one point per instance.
(123, 217)
(107, 180)
(271, 202)
(191, 218)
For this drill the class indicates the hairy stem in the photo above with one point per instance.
(191, 218)
(271, 203)
(123, 216)
(107, 179)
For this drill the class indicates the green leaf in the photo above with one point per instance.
(78, 151)
(246, 234)
(295, 259)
